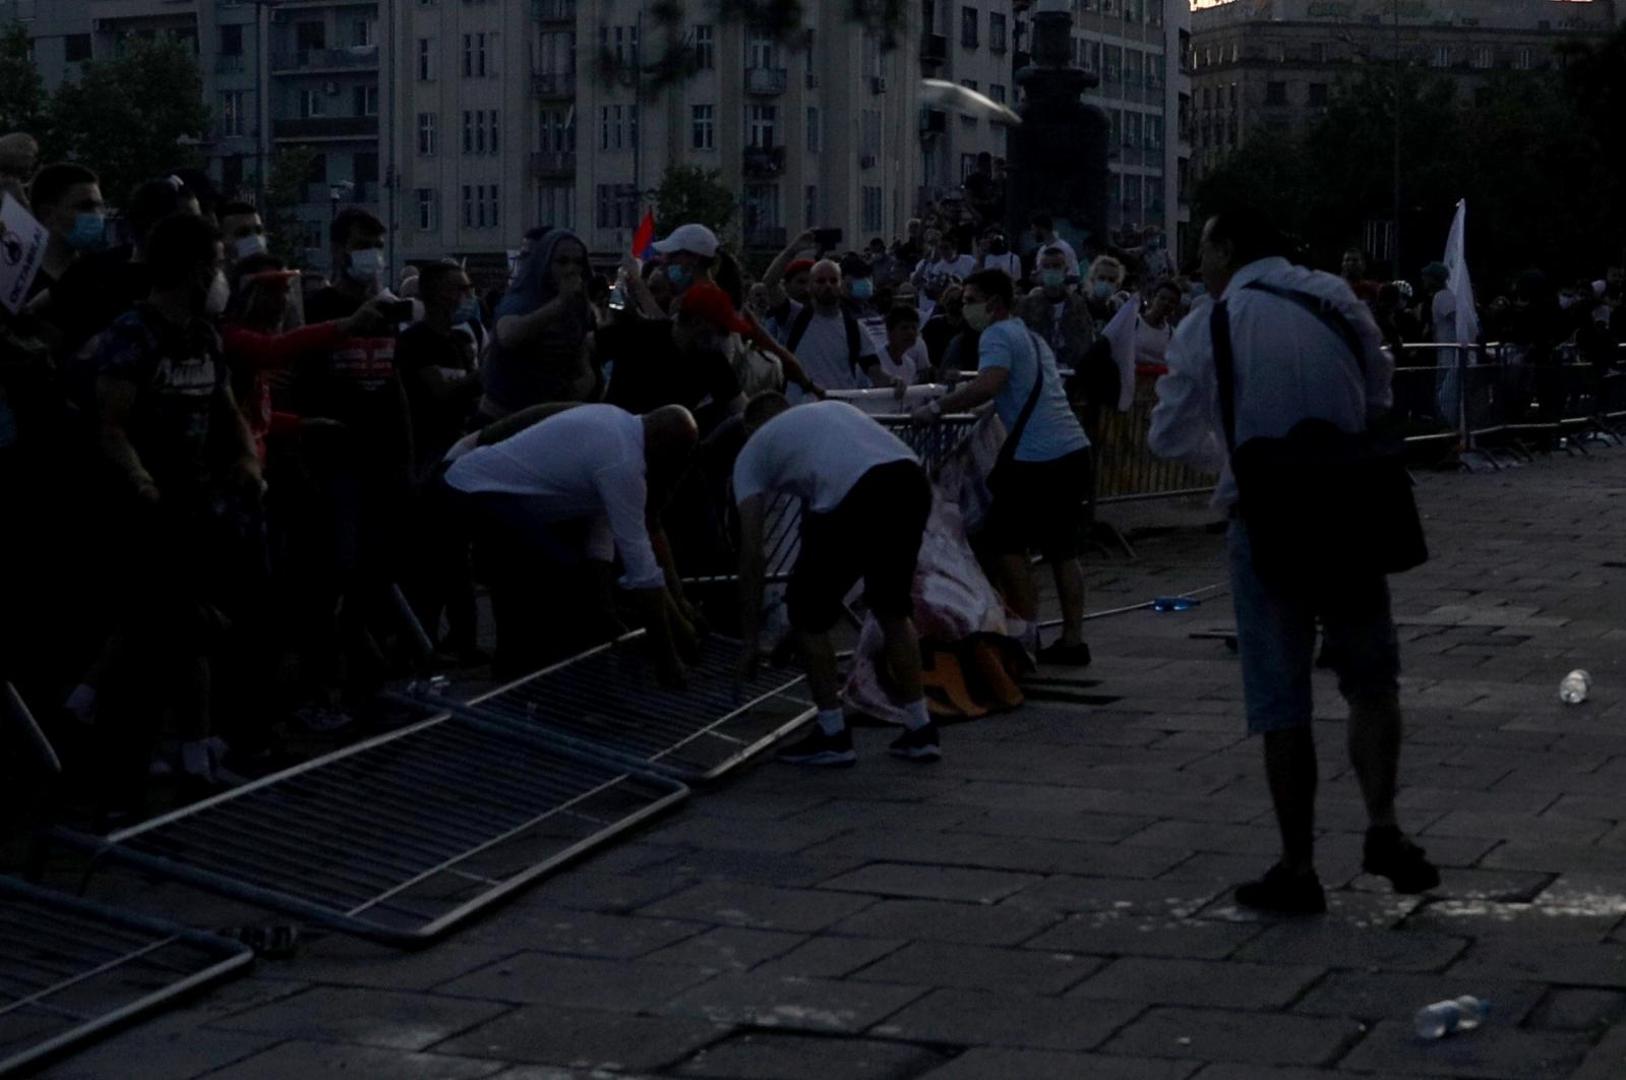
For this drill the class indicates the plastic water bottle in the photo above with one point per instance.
(1174, 603)
(1573, 690)
(1450, 1016)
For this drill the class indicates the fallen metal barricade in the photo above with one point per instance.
(71, 969)
(607, 703)
(400, 837)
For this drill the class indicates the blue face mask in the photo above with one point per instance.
(467, 312)
(1053, 279)
(1102, 289)
(862, 288)
(89, 233)
(679, 276)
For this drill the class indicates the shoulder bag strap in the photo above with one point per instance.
(1323, 310)
(798, 326)
(1007, 451)
(1219, 328)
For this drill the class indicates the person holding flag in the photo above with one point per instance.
(1455, 318)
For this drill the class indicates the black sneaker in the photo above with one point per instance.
(1061, 655)
(917, 744)
(1284, 893)
(1389, 854)
(817, 748)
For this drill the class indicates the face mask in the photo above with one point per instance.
(1102, 289)
(862, 288)
(1053, 280)
(976, 316)
(214, 302)
(467, 312)
(365, 266)
(89, 232)
(679, 276)
(249, 246)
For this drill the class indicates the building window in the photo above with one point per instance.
(705, 48)
(968, 27)
(1484, 57)
(1154, 133)
(426, 60)
(1441, 57)
(233, 118)
(813, 129)
(428, 209)
(810, 207)
(869, 133)
(615, 206)
(996, 91)
(873, 221)
(1318, 95)
(312, 103)
(1275, 93)
(759, 51)
(969, 84)
(494, 126)
(556, 205)
(76, 48)
(760, 122)
(968, 165)
(468, 131)
(468, 206)
(702, 127)
(1132, 130)
(365, 101)
(1522, 58)
(493, 202)
(996, 31)
(426, 134)
(231, 40)
(310, 36)
(1318, 52)
(474, 56)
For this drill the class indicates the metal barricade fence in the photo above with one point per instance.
(1125, 468)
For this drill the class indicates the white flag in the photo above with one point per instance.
(1459, 284)
(1120, 334)
(22, 250)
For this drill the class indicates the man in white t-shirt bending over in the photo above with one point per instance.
(865, 500)
(584, 484)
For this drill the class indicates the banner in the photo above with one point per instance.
(22, 249)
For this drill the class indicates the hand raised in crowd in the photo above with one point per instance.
(631, 267)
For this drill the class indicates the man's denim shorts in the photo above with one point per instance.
(1276, 635)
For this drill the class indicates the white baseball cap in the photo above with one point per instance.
(695, 239)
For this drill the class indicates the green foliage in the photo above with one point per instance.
(285, 184)
(688, 193)
(132, 117)
(1537, 155)
(22, 91)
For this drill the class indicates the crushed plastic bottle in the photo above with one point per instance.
(1451, 1016)
(1174, 603)
(1573, 690)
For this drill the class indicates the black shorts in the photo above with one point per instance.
(874, 533)
(1039, 505)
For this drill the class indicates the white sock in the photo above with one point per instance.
(917, 716)
(832, 721)
(195, 759)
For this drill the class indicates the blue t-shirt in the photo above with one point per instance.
(1052, 430)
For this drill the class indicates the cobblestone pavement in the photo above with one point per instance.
(1052, 900)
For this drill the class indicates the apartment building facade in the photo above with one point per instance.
(1274, 65)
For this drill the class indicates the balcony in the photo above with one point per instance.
(553, 11)
(547, 85)
(933, 50)
(764, 160)
(228, 64)
(765, 237)
(327, 127)
(766, 81)
(306, 61)
(553, 164)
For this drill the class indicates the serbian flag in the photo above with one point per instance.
(644, 236)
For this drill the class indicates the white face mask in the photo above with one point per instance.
(219, 293)
(249, 246)
(366, 265)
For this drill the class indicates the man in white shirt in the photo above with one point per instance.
(585, 484)
(1292, 364)
(1044, 231)
(865, 500)
(943, 266)
(827, 338)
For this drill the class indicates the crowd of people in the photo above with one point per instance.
(242, 494)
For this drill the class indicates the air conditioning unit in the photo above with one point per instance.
(877, 84)
(331, 89)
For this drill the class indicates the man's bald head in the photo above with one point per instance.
(825, 284)
(670, 435)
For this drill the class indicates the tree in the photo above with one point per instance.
(22, 91)
(285, 185)
(134, 117)
(688, 193)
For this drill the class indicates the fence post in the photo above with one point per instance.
(1464, 429)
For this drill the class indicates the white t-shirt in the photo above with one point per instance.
(822, 351)
(1010, 262)
(1053, 430)
(1151, 342)
(584, 463)
(909, 366)
(816, 452)
(935, 273)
